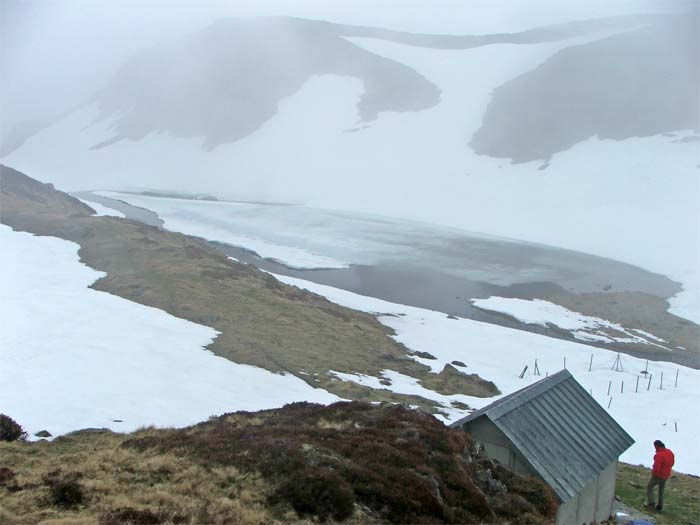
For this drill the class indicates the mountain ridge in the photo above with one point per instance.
(244, 67)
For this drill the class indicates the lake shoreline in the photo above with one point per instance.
(424, 286)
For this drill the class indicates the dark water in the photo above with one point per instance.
(411, 286)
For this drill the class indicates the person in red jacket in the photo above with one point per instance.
(660, 472)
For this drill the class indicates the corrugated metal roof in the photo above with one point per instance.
(565, 435)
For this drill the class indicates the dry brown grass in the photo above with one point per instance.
(327, 462)
(354, 462)
(113, 477)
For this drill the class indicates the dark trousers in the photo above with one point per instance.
(653, 482)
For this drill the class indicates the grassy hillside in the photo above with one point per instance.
(681, 497)
(351, 462)
(261, 321)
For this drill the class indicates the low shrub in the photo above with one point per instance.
(532, 490)
(318, 493)
(66, 493)
(10, 430)
(64, 489)
(395, 464)
(512, 506)
(130, 516)
(6, 475)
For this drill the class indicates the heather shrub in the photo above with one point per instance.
(533, 490)
(395, 464)
(64, 489)
(318, 493)
(66, 493)
(6, 475)
(128, 515)
(512, 506)
(10, 430)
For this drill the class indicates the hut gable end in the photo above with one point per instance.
(560, 430)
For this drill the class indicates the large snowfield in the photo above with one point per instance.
(73, 357)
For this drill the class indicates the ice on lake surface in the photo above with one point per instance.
(306, 237)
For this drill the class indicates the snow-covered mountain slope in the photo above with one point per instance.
(87, 44)
(73, 357)
(646, 408)
(331, 128)
(224, 82)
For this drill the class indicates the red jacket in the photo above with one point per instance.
(663, 461)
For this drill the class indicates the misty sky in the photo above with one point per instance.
(55, 53)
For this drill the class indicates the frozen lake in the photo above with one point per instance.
(400, 261)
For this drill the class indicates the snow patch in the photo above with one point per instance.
(583, 327)
(73, 357)
(403, 384)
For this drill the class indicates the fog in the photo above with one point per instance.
(54, 54)
(571, 123)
